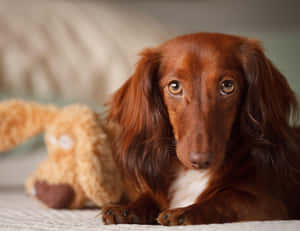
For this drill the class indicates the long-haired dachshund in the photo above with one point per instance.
(205, 135)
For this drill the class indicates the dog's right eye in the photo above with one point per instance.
(175, 88)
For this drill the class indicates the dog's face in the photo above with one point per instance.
(208, 92)
(201, 81)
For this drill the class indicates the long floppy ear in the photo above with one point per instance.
(20, 120)
(269, 104)
(139, 110)
(132, 105)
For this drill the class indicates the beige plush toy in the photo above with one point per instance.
(79, 167)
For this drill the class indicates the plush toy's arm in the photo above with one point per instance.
(19, 120)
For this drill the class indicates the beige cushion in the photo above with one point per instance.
(76, 50)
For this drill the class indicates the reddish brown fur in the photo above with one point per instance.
(255, 168)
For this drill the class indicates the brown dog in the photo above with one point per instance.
(205, 135)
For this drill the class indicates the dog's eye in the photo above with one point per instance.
(175, 87)
(227, 87)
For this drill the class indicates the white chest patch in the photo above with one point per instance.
(187, 187)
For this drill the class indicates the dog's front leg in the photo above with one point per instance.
(223, 207)
(142, 211)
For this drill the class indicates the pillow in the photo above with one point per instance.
(78, 51)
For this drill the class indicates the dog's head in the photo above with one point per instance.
(197, 92)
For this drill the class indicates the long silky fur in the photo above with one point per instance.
(269, 115)
(145, 145)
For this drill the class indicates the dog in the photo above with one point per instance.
(207, 133)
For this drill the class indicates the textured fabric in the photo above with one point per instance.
(18, 212)
(70, 49)
(15, 169)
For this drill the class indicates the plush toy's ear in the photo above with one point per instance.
(20, 120)
(97, 173)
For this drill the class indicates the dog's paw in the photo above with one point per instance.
(180, 216)
(123, 215)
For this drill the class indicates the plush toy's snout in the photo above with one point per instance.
(57, 196)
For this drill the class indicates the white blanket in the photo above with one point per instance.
(19, 212)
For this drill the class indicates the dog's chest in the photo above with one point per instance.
(187, 187)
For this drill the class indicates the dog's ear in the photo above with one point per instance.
(143, 124)
(135, 105)
(269, 102)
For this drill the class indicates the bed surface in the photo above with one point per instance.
(19, 212)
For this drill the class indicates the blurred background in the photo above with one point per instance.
(62, 52)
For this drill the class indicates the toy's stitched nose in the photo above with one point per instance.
(200, 160)
(56, 196)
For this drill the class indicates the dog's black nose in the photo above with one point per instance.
(200, 159)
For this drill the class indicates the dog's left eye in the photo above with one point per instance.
(175, 88)
(227, 87)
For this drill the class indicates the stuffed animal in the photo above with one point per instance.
(79, 168)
